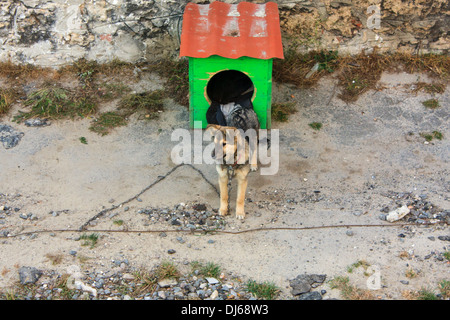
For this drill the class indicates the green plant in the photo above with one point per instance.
(89, 240)
(281, 111)
(316, 125)
(151, 103)
(431, 104)
(107, 121)
(265, 290)
(83, 140)
(326, 60)
(357, 264)
(349, 291)
(430, 136)
(426, 294)
(444, 288)
(118, 222)
(166, 270)
(446, 255)
(56, 103)
(6, 100)
(210, 269)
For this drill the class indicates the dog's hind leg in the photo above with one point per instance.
(242, 179)
(223, 186)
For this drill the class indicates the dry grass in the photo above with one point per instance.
(360, 73)
(356, 75)
(176, 74)
(348, 291)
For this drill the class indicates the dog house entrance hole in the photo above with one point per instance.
(229, 86)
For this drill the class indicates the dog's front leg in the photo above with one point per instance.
(223, 186)
(242, 179)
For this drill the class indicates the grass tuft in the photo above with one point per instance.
(107, 121)
(281, 111)
(265, 290)
(56, 103)
(431, 104)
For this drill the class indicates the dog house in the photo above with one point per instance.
(230, 45)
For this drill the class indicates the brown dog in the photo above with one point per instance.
(234, 156)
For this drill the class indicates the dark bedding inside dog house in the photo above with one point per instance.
(230, 49)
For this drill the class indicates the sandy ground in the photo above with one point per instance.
(338, 175)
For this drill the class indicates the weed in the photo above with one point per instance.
(177, 75)
(211, 269)
(357, 264)
(265, 290)
(151, 103)
(61, 283)
(348, 291)
(438, 135)
(430, 87)
(166, 270)
(56, 103)
(426, 294)
(149, 280)
(316, 125)
(111, 91)
(55, 258)
(7, 98)
(281, 111)
(89, 240)
(118, 222)
(444, 288)
(326, 60)
(411, 273)
(430, 136)
(431, 104)
(83, 140)
(107, 121)
(295, 67)
(446, 255)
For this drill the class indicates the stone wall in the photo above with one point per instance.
(58, 32)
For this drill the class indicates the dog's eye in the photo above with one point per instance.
(224, 144)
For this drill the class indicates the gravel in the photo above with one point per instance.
(127, 283)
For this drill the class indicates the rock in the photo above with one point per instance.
(165, 283)
(37, 122)
(214, 295)
(29, 275)
(397, 214)
(444, 238)
(9, 136)
(212, 280)
(128, 277)
(171, 251)
(303, 283)
(314, 295)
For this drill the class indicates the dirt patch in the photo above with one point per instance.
(367, 158)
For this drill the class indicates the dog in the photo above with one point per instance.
(236, 154)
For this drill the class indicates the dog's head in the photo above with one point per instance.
(229, 144)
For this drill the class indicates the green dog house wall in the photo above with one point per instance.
(217, 37)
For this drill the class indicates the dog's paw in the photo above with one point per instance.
(240, 215)
(253, 167)
(223, 212)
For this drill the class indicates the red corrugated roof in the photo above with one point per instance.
(231, 30)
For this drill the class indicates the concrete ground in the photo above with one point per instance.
(344, 174)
